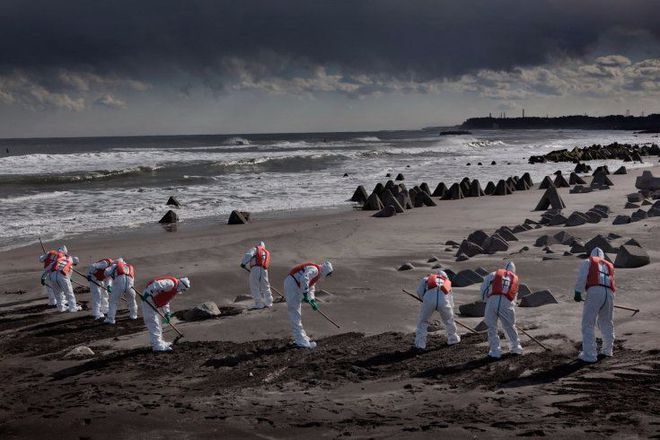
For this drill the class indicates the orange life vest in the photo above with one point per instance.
(505, 283)
(124, 268)
(63, 263)
(99, 274)
(598, 278)
(302, 267)
(162, 298)
(51, 255)
(432, 283)
(262, 257)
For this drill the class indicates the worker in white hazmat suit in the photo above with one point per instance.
(47, 259)
(60, 280)
(299, 287)
(123, 280)
(499, 290)
(257, 261)
(596, 278)
(435, 292)
(99, 284)
(157, 296)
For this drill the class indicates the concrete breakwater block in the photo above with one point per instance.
(537, 299)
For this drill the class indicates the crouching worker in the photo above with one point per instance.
(156, 297)
(99, 286)
(299, 288)
(435, 292)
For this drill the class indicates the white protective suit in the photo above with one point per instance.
(598, 307)
(297, 287)
(435, 300)
(258, 280)
(152, 320)
(45, 276)
(99, 294)
(122, 284)
(499, 307)
(61, 282)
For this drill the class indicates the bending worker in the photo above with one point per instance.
(60, 280)
(299, 288)
(257, 260)
(435, 292)
(157, 296)
(499, 290)
(596, 277)
(123, 279)
(99, 286)
(47, 259)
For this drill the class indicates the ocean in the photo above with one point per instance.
(52, 188)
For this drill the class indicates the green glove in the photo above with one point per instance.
(166, 319)
(43, 280)
(315, 306)
(109, 289)
(578, 296)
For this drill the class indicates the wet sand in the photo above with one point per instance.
(239, 376)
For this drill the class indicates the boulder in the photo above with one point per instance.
(406, 266)
(454, 192)
(424, 187)
(574, 179)
(653, 212)
(621, 220)
(546, 183)
(621, 170)
(452, 243)
(388, 211)
(466, 278)
(465, 186)
(647, 182)
(599, 212)
(404, 199)
(378, 189)
(537, 299)
(557, 220)
(638, 215)
(475, 189)
(360, 195)
(373, 203)
(528, 179)
(522, 185)
(400, 177)
(440, 190)
(579, 189)
(646, 202)
(592, 217)
(482, 326)
(169, 217)
(631, 256)
(550, 199)
(501, 189)
(477, 237)
(490, 188)
(632, 242)
(631, 205)
(79, 352)
(560, 181)
(238, 218)
(545, 240)
(635, 197)
(495, 243)
(206, 310)
(473, 310)
(462, 257)
(172, 201)
(564, 238)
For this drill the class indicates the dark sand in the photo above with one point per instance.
(239, 376)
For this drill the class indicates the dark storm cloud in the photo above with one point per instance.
(157, 40)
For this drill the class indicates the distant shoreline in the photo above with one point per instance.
(647, 124)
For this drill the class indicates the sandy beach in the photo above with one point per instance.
(238, 376)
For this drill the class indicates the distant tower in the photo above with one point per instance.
(523, 113)
(490, 115)
(642, 113)
(628, 112)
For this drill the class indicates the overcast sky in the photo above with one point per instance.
(120, 67)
